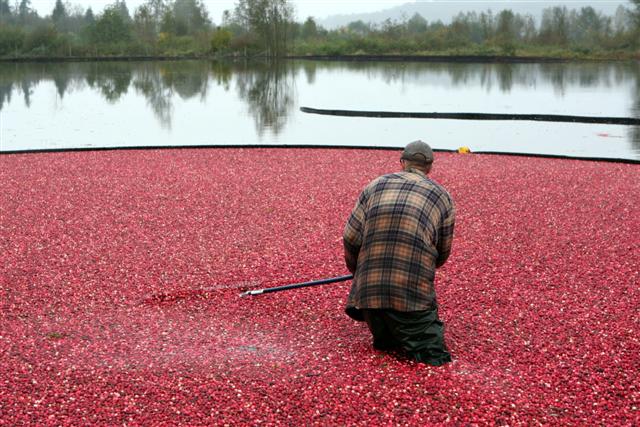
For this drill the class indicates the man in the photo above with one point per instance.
(399, 232)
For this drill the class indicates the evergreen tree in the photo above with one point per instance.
(168, 23)
(190, 17)
(5, 11)
(89, 17)
(359, 27)
(111, 27)
(506, 27)
(59, 14)
(24, 11)
(120, 6)
(417, 24)
(309, 29)
(157, 9)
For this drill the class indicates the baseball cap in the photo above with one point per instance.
(418, 151)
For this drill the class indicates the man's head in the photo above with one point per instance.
(417, 155)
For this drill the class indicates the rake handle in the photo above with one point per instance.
(298, 285)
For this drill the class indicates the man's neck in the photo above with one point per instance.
(415, 170)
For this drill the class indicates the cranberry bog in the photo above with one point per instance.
(121, 272)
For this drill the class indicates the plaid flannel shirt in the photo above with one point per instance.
(400, 229)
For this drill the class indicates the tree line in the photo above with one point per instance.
(579, 32)
(269, 28)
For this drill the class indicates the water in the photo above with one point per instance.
(124, 104)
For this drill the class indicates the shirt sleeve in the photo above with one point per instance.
(445, 232)
(353, 230)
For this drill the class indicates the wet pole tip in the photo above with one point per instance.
(254, 292)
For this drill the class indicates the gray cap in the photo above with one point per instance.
(418, 151)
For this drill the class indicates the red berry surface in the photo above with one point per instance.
(120, 275)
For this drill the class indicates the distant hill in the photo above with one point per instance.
(445, 10)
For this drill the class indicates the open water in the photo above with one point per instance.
(185, 103)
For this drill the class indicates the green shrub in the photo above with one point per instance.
(221, 40)
(41, 41)
(173, 45)
(11, 40)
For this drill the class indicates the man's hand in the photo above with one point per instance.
(350, 257)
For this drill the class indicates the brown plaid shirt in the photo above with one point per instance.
(400, 229)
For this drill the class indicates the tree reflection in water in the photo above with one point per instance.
(266, 88)
(7, 81)
(112, 79)
(310, 68)
(13, 77)
(159, 82)
(221, 73)
(188, 80)
(148, 82)
(269, 90)
(635, 130)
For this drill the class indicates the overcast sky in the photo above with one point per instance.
(317, 8)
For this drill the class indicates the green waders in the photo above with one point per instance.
(419, 333)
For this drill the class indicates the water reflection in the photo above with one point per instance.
(12, 77)
(222, 73)
(269, 90)
(111, 79)
(310, 71)
(635, 130)
(149, 84)
(504, 76)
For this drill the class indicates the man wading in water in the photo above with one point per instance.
(399, 232)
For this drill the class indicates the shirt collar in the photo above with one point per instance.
(419, 172)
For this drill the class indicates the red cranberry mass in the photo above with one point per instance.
(120, 274)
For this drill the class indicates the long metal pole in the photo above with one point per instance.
(298, 285)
